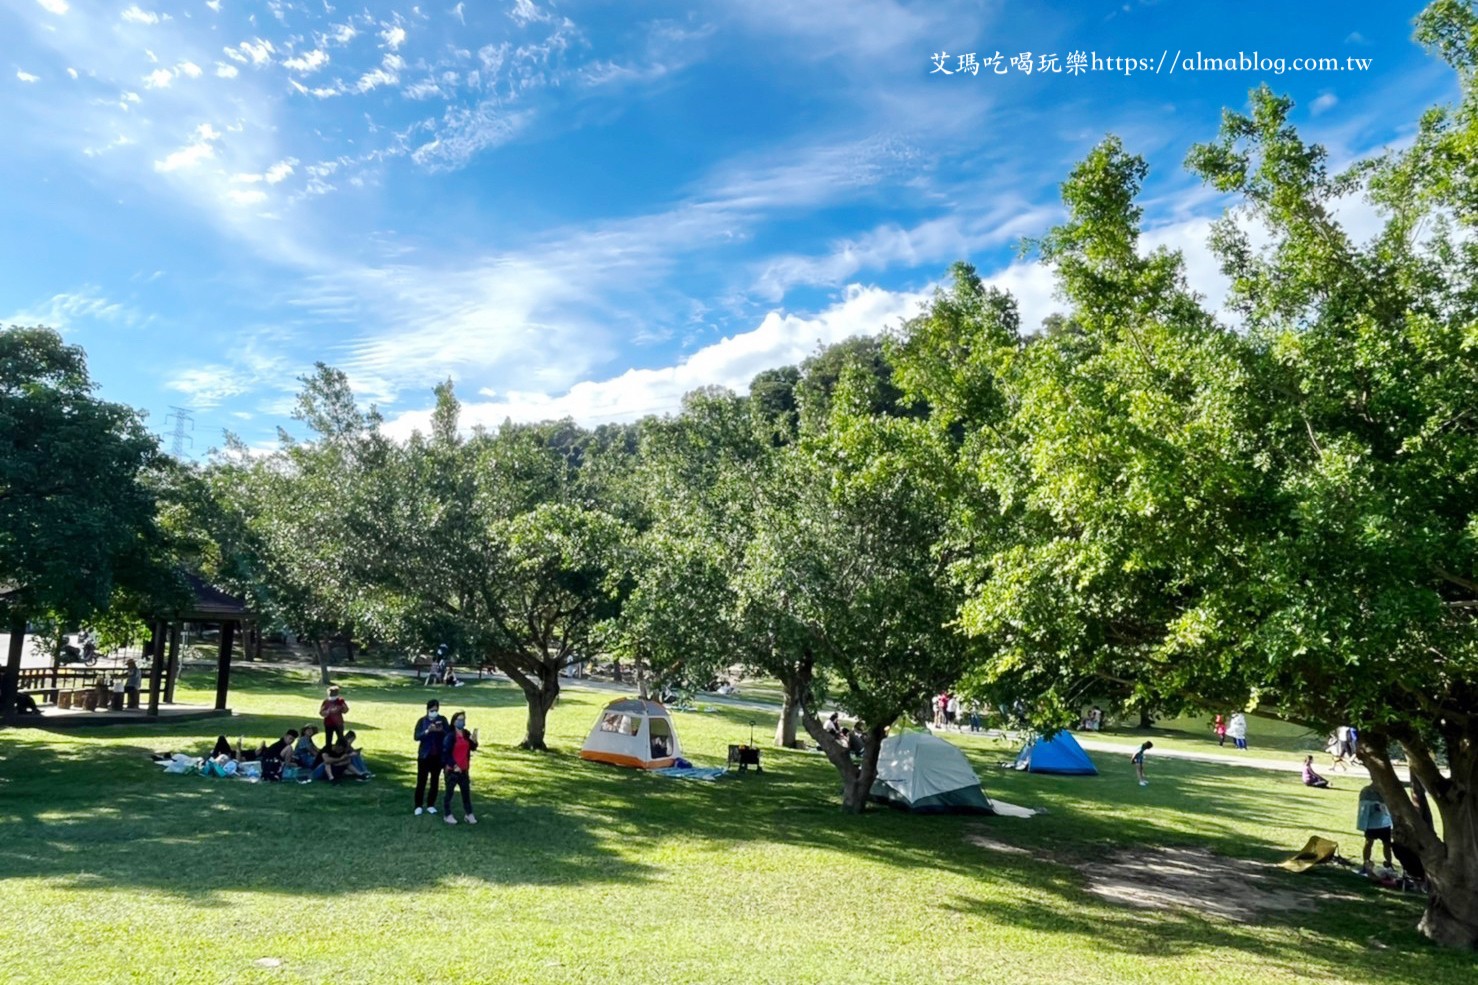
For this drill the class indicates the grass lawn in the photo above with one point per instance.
(111, 871)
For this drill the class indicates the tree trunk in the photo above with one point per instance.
(1146, 720)
(616, 671)
(790, 716)
(796, 681)
(10, 682)
(323, 676)
(541, 694)
(1451, 861)
(857, 778)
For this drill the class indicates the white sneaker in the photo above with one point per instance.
(431, 810)
(1144, 783)
(419, 811)
(470, 818)
(450, 820)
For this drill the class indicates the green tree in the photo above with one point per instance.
(77, 508)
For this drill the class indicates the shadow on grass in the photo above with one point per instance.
(88, 811)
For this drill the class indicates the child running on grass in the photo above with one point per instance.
(1138, 760)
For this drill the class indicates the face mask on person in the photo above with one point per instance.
(459, 722)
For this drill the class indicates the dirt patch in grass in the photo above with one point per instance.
(1197, 879)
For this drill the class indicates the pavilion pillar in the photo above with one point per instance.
(223, 665)
(10, 680)
(172, 672)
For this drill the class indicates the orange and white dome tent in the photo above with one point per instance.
(633, 732)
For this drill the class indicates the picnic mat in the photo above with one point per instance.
(1010, 810)
(691, 772)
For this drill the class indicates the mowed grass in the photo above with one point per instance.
(111, 871)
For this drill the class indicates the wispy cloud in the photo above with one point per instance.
(310, 62)
(26, 77)
(393, 37)
(200, 149)
(136, 15)
(57, 7)
(74, 308)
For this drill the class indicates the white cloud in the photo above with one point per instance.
(72, 72)
(189, 68)
(57, 7)
(214, 5)
(1327, 101)
(525, 11)
(780, 339)
(464, 131)
(393, 37)
(387, 75)
(226, 71)
(137, 16)
(246, 196)
(190, 155)
(279, 171)
(459, 14)
(160, 78)
(26, 77)
(422, 90)
(311, 62)
(65, 310)
(207, 386)
(340, 34)
(256, 51)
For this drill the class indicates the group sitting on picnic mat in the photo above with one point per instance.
(445, 748)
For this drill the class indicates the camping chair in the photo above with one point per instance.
(1316, 852)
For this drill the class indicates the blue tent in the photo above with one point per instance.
(1060, 754)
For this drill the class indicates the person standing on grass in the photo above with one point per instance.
(952, 711)
(1219, 726)
(1138, 760)
(332, 711)
(430, 732)
(1237, 729)
(456, 753)
(1374, 818)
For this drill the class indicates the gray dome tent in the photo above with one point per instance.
(919, 772)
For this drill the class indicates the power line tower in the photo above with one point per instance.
(183, 423)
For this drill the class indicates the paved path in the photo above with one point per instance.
(1231, 759)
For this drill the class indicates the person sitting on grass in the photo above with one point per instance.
(305, 750)
(341, 759)
(1312, 779)
(273, 756)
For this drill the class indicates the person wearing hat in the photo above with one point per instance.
(333, 710)
(430, 732)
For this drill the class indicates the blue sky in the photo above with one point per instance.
(589, 208)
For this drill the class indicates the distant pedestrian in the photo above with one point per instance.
(456, 755)
(134, 683)
(430, 734)
(1219, 726)
(1138, 760)
(974, 716)
(333, 710)
(1237, 729)
(940, 703)
(951, 711)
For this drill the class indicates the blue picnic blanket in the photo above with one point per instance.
(691, 772)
